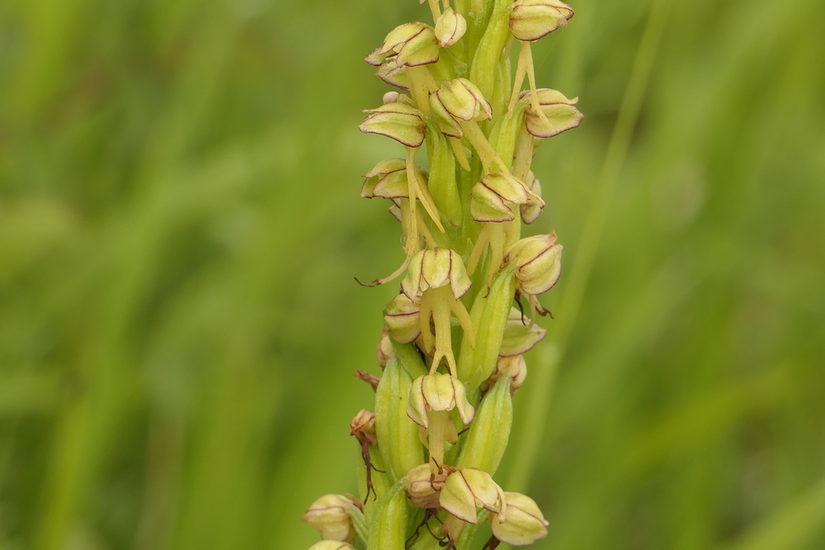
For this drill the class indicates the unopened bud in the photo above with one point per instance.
(438, 392)
(413, 43)
(330, 515)
(384, 350)
(468, 489)
(537, 263)
(485, 442)
(531, 210)
(435, 268)
(362, 427)
(558, 113)
(449, 28)
(402, 319)
(520, 334)
(399, 121)
(493, 199)
(513, 368)
(532, 19)
(423, 486)
(463, 100)
(520, 523)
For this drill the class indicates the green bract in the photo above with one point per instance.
(330, 515)
(449, 28)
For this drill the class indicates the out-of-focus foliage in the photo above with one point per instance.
(179, 229)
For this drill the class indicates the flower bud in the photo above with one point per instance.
(438, 392)
(468, 489)
(399, 121)
(520, 334)
(463, 100)
(537, 262)
(558, 113)
(330, 515)
(423, 486)
(532, 19)
(331, 545)
(384, 350)
(531, 210)
(520, 523)
(513, 368)
(411, 44)
(449, 28)
(402, 319)
(390, 97)
(362, 427)
(435, 268)
(494, 198)
(485, 64)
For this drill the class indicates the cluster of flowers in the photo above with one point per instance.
(442, 419)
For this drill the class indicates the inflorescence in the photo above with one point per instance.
(452, 350)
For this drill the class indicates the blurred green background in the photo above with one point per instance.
(180, 225)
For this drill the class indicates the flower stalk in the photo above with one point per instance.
(452, 350)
